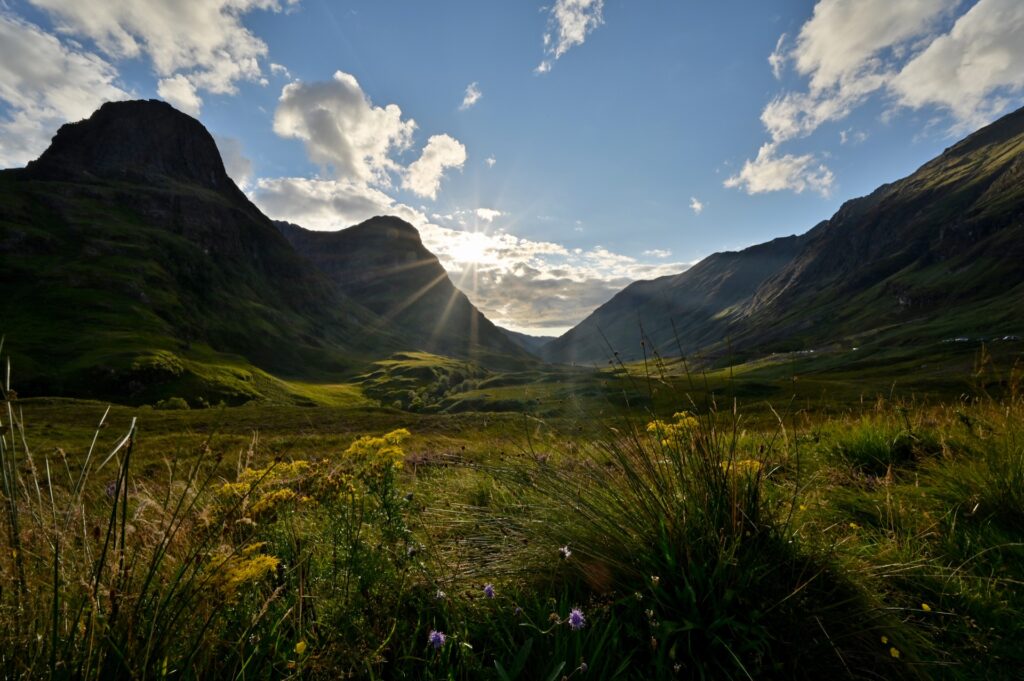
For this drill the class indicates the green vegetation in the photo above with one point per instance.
(876, 538)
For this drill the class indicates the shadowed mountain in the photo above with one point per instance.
(532, 344)
(384, 265)
(676, 312)
(133, 268)
(934, 255)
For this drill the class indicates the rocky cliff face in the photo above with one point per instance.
(136, 141)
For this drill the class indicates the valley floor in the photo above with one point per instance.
(848, 532)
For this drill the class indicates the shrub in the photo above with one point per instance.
(172, 403)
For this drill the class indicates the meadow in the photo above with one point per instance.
(794, 517)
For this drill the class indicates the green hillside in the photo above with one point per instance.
(133, 269)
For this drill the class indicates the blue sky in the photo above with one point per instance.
(609, 140)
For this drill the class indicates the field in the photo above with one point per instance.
(801, 516)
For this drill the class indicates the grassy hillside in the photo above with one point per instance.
(141, 282)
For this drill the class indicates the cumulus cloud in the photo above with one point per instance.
(518, 283)
(569, 24)
(696, 206)
(471, 97)
(658, 253)
(771, 172)
(423, 176)
(236, 163)
(488, 214)
(281, 71)
(850, 50)
(204, 43)
(342, 129)
(974, 69)
(43, 84)
(180, 93)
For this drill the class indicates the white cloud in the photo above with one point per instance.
(568, 26)
(851, 136)
(696, 206)
(777, 59)
(180, 93)
(850, 50)
(518, 283)
(423, 176)
(204, 42)
(43, 84)
(279, 70)
(490, 161)
(342, 129)
(471, 97)
(236, 163)
(771, 172)
(658, 253)
(488, 214)
(972, 70)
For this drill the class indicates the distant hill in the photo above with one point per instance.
(384, 265)
(676, 313)
(532, 344)
(133, 269)
(934, 255)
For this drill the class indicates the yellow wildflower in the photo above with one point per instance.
(300, 647)
(895, 653)
(926, 607)
(885, 639)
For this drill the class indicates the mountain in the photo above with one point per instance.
(384, 265)
(675, 313)
(134, 269)
(934, 255)
(532, 344)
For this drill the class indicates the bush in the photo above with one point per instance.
(172, 403)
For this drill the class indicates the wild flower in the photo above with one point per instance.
(576, 619)
(926, 607)
(489, 590)
(300, 647)
(440, 595)
(436, 639)
(895, 653)
(564, 552)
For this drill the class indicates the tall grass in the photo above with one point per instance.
(689, 548)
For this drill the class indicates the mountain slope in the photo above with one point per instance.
(677, 312)
(935, 254)
(532, 344)
(384, 265)
(133, 268)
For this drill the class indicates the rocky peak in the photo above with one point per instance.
(143, 140)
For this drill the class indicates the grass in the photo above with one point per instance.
(874, 539)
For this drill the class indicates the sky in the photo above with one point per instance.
(549, 152)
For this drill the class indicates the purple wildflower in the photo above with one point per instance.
(111, 488)
(489, 590)
(576, 619)
(436, 639)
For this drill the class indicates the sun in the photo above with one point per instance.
(471, 248)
